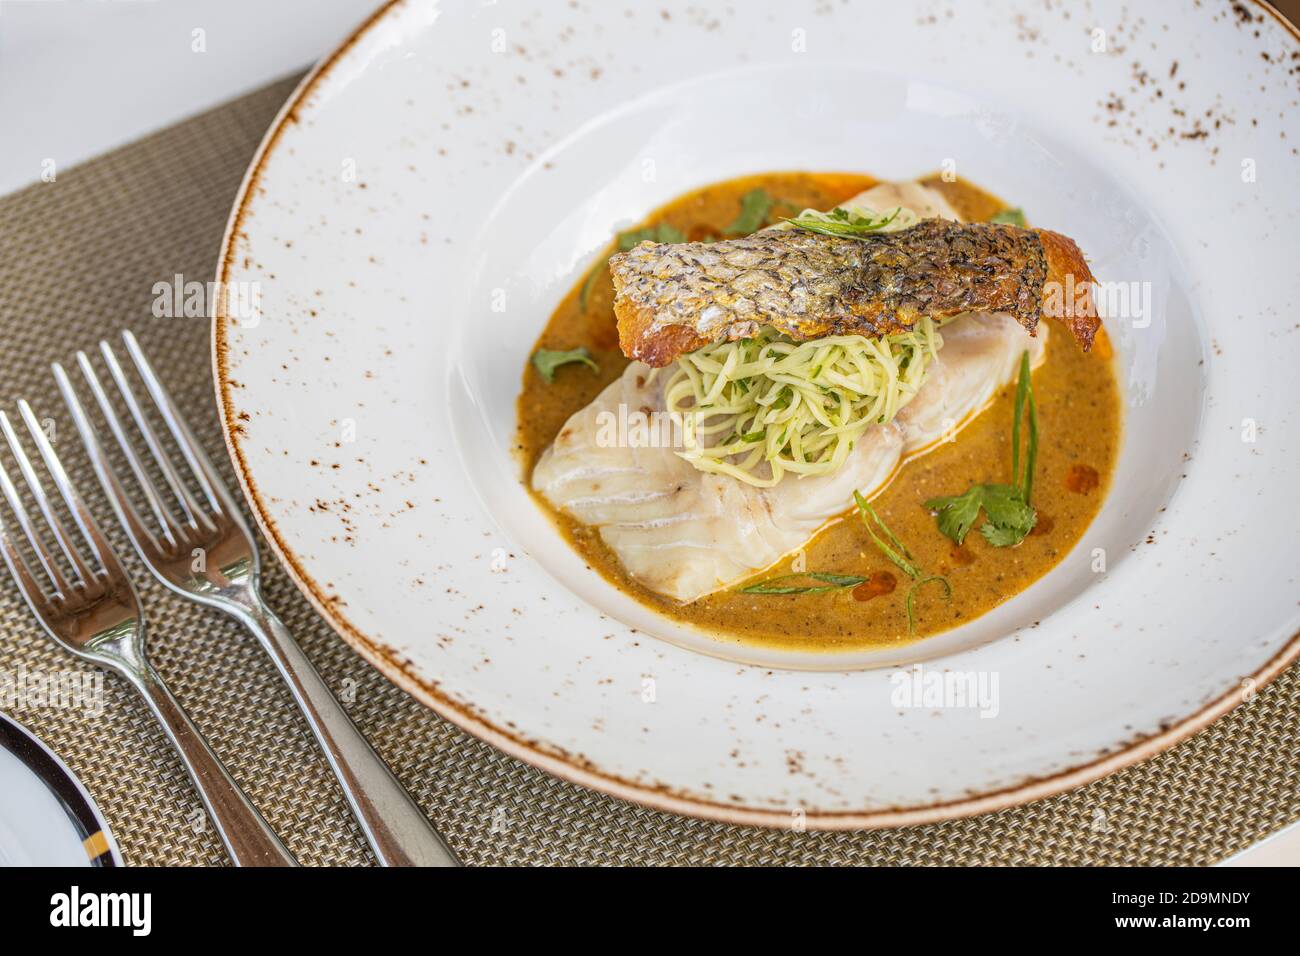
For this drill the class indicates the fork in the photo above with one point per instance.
(96, 616)
(207, 554)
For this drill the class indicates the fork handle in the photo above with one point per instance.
(242, 829)
(394, 825)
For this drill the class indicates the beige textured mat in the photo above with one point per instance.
(78, 261)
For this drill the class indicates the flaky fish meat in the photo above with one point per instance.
(684, 533)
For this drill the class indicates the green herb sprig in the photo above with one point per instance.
(755, 206)
(626, 240)
(1009, 516)
(830, 582)
(1011, 216)
(546, 361)
(845, 223)
(659, 233)
(903, 559)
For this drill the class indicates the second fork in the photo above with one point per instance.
(208, 554)
(95, 615)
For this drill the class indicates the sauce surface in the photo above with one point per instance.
(1079, 414)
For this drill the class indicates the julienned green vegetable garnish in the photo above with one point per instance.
(897, 552)
(755, 206)
(1011, 216)
(625, 241)
(852, 223)
(759, 408)
(830, 582)
(546, 361)
(1007, 511)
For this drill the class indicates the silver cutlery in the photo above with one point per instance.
(210, 525)
(95, 615)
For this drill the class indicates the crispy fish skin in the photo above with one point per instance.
(673, 299)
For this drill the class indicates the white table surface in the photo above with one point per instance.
(80, 77)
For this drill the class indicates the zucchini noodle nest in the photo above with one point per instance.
(760, 407)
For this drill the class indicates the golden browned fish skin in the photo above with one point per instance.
(673, 299)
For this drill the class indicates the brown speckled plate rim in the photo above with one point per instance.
(573, 767)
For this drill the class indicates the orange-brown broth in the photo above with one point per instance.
(1079, 412)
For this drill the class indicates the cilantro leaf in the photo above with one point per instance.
(1008, 518)
(1008, 514)
(1004, 505)
(956, 514)
(660, 233)
(546, 361)
(755, 206)
(1005, 536)
(1011, 216)
(626, 240)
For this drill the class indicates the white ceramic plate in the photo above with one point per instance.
(47, 818)
(434, 188)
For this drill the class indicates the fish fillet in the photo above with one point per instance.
(674, 298)
(684, 533)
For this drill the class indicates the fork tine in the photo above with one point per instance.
(52, 572)
(168, 524)
(81, 515)
(193, 513)
(57, 578)
(127, 513)
(198, 460)
(22, 574)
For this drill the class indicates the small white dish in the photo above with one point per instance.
(47, 818)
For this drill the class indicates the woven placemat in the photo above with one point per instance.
(79, 258)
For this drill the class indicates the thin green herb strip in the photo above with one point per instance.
(868, 515)
(833, 582)
(911, 594)
(919, 578)
(1022, 391)
(1031, 453)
